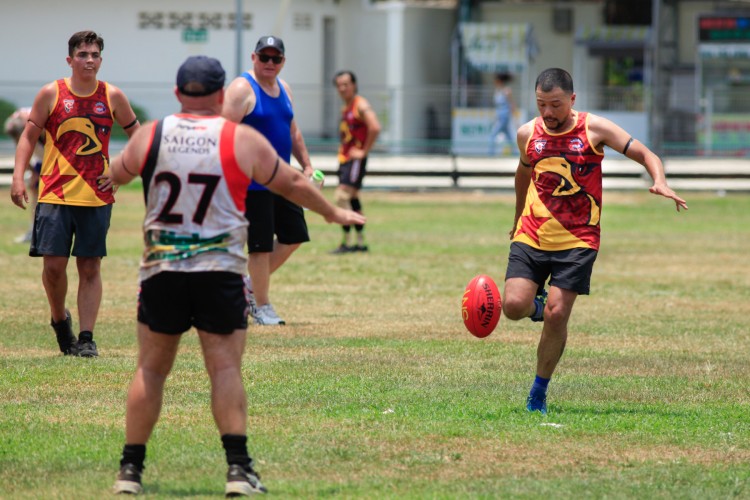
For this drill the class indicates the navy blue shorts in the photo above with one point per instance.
(212, 301)
(270, 214)
(566, 269)
(56, 225)
(352, 173)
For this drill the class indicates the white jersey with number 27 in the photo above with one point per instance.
(195, 199)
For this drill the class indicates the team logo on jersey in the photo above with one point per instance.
(100, 108)
(68, 104)
(576, 144)
(539, 145)
(90, 143)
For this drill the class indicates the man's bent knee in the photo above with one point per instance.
(515, 309)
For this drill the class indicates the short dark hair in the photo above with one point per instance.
(554, 77)
(345, 72)
(87, 36)
(504, 77)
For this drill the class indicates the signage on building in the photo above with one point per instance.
(498, 47)
(190, 35)
(723, 29)
(472, 127)
(192, 20)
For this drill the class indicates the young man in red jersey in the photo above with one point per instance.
(76, 115)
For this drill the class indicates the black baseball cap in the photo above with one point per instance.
(200, 75)
(270, 42)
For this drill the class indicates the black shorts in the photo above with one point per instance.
(567, 269)
(212, 301)
(270, 214)
(55, 225)
(352, 172)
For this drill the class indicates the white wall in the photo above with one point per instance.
(427, 61)
(143, 62)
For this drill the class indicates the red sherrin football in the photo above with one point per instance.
(481, 306)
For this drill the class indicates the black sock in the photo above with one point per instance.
(86, 336)
(345, 238)
(357, 207)
(65, 340)
(235, 447)
(133, 454)
(63, 332)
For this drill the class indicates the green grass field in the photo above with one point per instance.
(374, 389)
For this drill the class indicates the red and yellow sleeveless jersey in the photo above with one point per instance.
(352, 130)
(564, 199)
(76, 149)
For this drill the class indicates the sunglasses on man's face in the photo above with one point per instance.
(264, 58)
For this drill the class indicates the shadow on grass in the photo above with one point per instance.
(180, 492)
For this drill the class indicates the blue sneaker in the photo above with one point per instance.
(537, 403)
(539, 302)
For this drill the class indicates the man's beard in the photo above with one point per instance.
(557, 126)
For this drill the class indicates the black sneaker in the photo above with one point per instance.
(64, 333)
(342, 249)
(359, 248)
(243, 481)
(128, 481)
(86, 346)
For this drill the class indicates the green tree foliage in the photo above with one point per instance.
(6, 109)
(118, 133)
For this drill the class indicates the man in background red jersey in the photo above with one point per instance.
(556, 229)
(76, 115)
(359, 128)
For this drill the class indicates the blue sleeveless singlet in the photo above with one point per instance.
(272, 117)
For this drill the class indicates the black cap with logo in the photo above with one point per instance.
(270, 42)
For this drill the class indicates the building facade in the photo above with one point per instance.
(641, 62)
